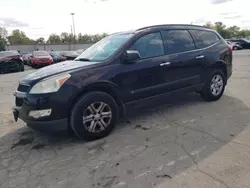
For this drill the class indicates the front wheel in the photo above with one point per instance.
(214, 86)
(94, 116)
(21, 67)
(235, 48)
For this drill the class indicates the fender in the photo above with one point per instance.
(220, 64)
(104, 86)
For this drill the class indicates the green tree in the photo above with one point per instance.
(209, 25)
(90, 38)
(40, 40)
(19, 37)
(54, 39)
(83, 38)
(243, 33)
(66, 37)
(3, 38)
(234, 30)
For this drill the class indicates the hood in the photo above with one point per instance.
(57, 69)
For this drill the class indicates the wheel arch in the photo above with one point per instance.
(220, 64)
(104, 86)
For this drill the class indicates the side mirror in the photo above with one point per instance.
(130, 56)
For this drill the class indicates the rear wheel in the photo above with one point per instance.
(94, 116)
(235, 48)
(214, 86)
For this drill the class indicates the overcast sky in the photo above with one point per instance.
(39, 18)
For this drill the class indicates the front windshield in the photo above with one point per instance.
(105, 48)
(40, 53)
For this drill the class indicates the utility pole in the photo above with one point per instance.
(71, 33)
(73, 24)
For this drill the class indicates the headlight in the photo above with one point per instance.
(50, 85)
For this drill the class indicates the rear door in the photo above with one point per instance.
(209, 47)
(185, 68)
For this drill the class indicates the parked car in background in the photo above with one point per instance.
(89, 94)
(40, 59)
(234, 45)
(242, 42)
(57, 57)
(11, 61)
(26, 58)
(80, 51)
(69, 55)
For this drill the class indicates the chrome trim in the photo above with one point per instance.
(19, 94)
(200, 57)
(164, 64)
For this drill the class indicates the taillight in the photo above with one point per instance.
(230, 47)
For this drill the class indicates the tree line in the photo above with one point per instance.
(19, 37)
(228, 32)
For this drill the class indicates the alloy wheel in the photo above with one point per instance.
(216, 85)
(97, 117)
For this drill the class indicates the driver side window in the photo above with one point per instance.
(150, 45)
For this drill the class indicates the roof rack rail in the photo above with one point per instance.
(153, 26)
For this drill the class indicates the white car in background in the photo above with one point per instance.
(235, 45)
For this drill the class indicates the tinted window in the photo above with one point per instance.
(178, 41)
(204, 39)
(150, 45)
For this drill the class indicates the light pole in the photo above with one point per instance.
(73, 24)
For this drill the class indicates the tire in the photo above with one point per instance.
(82, 108)
(235, 48)
(21, 67)
(207, 92)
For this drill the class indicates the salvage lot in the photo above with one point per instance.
(185, 142)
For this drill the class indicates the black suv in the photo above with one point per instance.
(89, 94)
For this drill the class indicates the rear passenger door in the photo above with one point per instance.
(208, 48)
(184, 68)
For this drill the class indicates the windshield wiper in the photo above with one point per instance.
(82, 59)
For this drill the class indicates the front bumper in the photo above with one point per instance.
(42, 63)
(59, 125)
(56, 121)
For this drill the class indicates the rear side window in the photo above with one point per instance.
(150, 45)
(204, 39)
(178, 41)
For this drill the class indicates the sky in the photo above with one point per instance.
(40, 18)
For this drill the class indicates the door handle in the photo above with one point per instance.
(164, 64)
(200, 57)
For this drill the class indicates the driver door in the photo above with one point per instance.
(144, 78)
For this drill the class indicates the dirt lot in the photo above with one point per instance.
(183, 142)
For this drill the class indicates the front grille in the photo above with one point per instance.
(19, 101)
(23, 88)
(44, 60)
